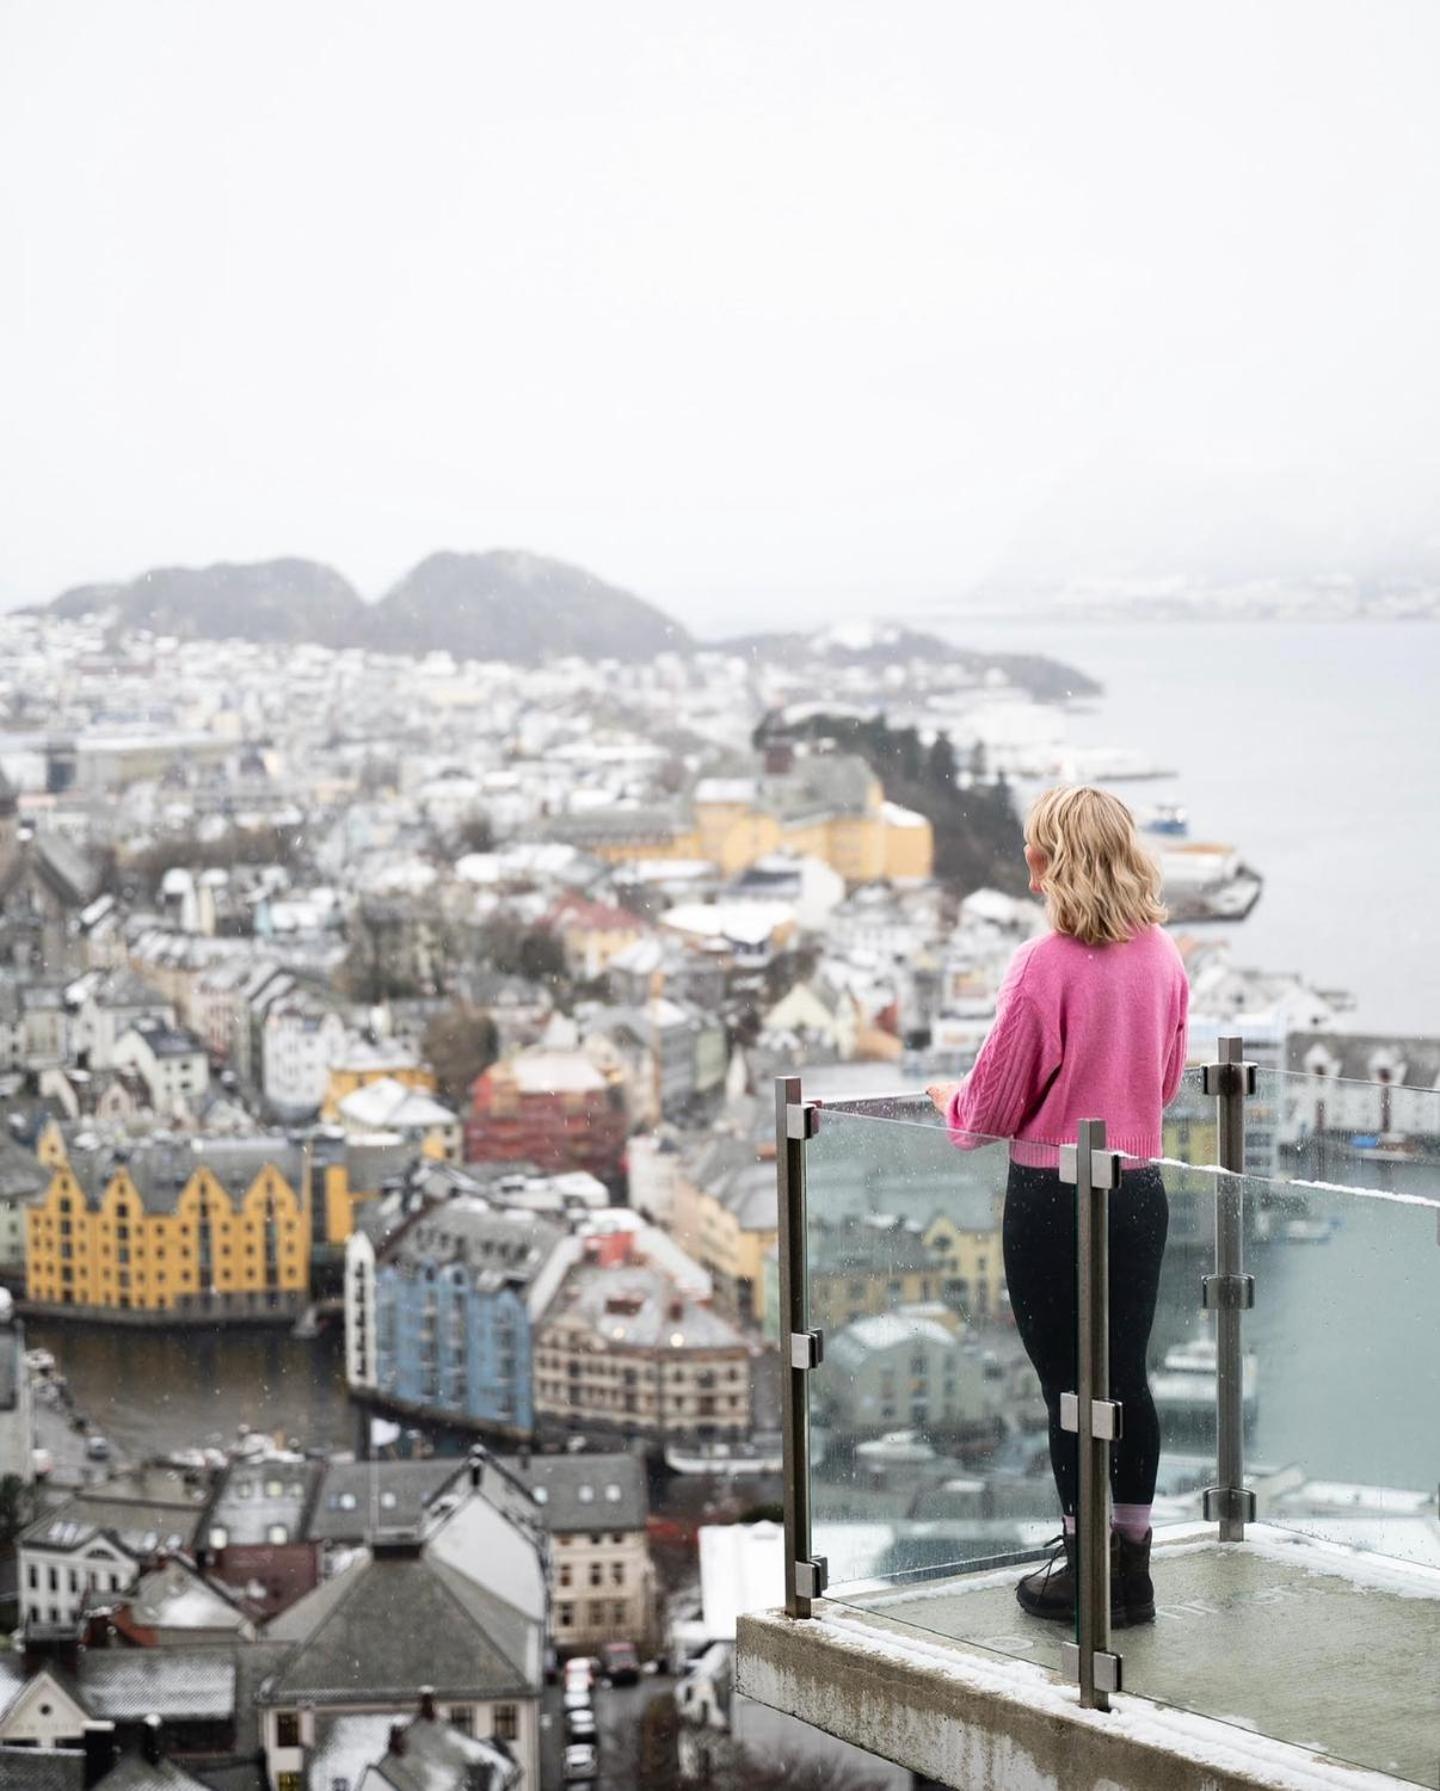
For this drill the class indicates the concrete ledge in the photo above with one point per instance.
(980, 1722)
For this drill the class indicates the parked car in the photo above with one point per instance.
(580, 1726)
(582, 1763)
(580, 1670)
(620, 1663)
(577, 1697)
(97, 1448)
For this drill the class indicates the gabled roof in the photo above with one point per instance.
(352, 1646)
(177, 1596)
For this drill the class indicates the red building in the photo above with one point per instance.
(555, 1109)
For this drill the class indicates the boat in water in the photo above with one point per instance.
(1168, 819)
(726, 1461)
(1205, 881)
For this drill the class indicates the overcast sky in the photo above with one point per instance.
(747, 306)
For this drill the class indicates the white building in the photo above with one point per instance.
(169, 1060)
(300, 1042)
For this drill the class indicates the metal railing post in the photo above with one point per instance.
(795, 1121)
(1089, 1660)
(1229, 1292)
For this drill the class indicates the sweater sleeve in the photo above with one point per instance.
(1016, 1063)
(1179, 1046)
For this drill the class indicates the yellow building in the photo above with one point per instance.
(724, 1216)
(222, 1230)
(971, 1264)
(829, 806)
(861, 1268)
(374, 1063)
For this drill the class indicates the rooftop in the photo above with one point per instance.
(638, 1305)
(576, 1492)
(350, 1648)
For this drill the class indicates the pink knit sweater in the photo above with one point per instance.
(1081, 1032)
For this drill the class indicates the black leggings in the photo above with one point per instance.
(1040, 1241)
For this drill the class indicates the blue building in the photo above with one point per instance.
(440, 1320)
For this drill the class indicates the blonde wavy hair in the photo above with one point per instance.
(1100, 884)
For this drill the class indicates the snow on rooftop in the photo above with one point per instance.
(745, 923)
(555, 1072)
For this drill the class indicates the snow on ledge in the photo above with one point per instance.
(1211, 1743)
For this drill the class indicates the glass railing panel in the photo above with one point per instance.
(1337, 1581)
(928, 1440)
(929, 1517)
(1346, 1329)
(1179, 1346)
(1345, 1132)
(1188, 1132)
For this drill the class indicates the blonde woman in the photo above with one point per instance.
(1090, 1024)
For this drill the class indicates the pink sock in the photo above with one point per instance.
(1132, 1521)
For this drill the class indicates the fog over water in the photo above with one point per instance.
(1315, 750)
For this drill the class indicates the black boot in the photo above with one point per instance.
(1132, 1591)
(1049, 1592)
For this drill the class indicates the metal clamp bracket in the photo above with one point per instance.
(802, 1119)
(1229, 1504)
(811, 1577)
(1104, 1167)
(1227, 1293)
(1215, 1078)
(807, 1349)
(1107, 1417)
(1109, 1668)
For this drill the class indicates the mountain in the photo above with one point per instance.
(879, 644)
(506, 605)
(518, 607)
(274, 600)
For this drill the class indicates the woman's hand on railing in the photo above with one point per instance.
(942, 1093)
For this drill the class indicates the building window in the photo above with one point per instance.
(289, 1781)
(617, 1573)
(597, 1574)
(597, 1611)
(461, 1717)
(507, 1722)
(287, 1728)
(565, 1615)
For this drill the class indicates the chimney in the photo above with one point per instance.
(427, 1703)
(397, 1740)
(779, 758)
(676, 1310)
(99, 1744)
(150, 1739)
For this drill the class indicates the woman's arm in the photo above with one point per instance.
(1019, 1057)
(1179, 1047)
